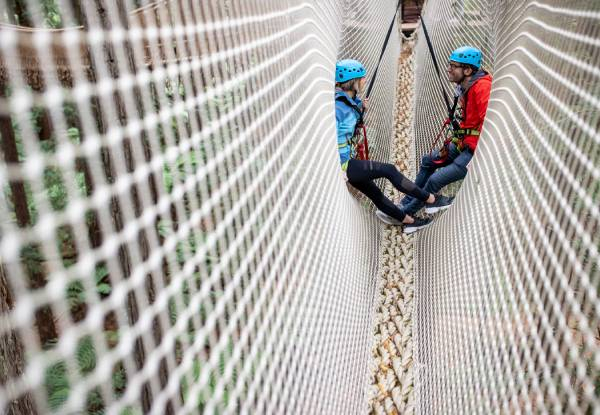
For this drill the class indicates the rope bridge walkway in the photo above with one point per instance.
(176, 236)
(393, 377)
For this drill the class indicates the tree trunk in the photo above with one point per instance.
(19, 14)
(12, 361)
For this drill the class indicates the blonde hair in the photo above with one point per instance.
(351, 85)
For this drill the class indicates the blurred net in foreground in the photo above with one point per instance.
(175, 232)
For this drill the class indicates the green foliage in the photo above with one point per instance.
(214, 375)
(52, 17)
(49, 10)
(185, 248)
(55, 187)
(183, 165)
(32, 258)
(57, 381)
(86, 355)
(119, 380)
(58, 387)
(76, 291)
(53, 181)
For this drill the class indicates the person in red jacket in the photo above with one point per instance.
(448, 165)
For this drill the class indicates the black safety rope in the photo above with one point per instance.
(385, 43)
(450, 108)
(435, 63)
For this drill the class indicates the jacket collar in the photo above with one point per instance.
(340, 92)
(460, 91)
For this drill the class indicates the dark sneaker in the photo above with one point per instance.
(441, 203)
(384, 217)
(416, 225)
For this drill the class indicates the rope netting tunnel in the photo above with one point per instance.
(176, 233)
(507, 314)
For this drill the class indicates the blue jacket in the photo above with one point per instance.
(346, 118)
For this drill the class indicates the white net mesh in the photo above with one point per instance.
(176, 235)
(507, 309)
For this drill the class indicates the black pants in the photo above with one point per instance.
(361, 174)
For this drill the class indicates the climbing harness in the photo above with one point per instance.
(358, 141)
(451, 123)
(452, 135)
(362, 146)
(451, 129)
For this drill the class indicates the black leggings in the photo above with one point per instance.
(361, 174)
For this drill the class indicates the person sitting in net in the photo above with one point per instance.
(449, 164)
(349, 109)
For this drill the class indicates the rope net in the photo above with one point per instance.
(507, 310)
(175, 232)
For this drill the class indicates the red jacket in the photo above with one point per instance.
(474, 108)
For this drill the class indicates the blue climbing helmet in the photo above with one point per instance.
(467, 55)
(348, 69)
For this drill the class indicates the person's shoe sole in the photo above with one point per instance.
(386, 219)
(431, 210)
(413, 229)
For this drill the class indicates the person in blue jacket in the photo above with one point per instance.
(349, 109)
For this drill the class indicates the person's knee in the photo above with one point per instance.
(389, 170)
(434, 183)
(460, 171)
(444, 177)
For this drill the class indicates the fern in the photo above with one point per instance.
(57, 384)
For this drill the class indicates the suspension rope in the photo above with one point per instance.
(385, 43)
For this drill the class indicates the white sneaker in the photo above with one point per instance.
(387, 218)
